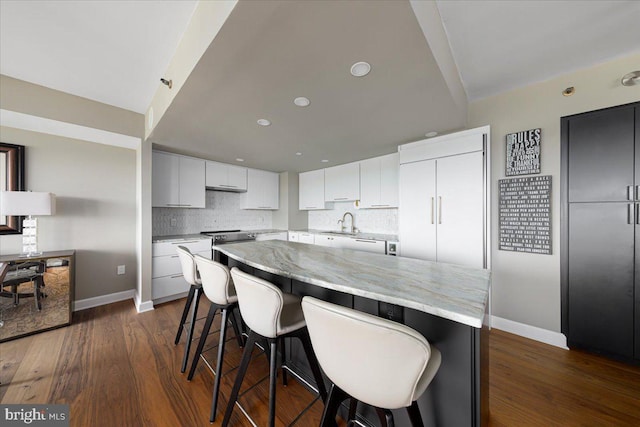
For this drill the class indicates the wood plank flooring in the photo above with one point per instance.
(115, 367)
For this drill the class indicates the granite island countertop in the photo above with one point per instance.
(449, 291)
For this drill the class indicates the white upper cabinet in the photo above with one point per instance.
(342, 183)
(226, 177)
(311, 190)
(177, 181)
(263, 190)
(379, 182)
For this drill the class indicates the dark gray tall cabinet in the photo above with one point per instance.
(600, 226)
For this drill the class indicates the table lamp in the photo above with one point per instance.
(28, 203)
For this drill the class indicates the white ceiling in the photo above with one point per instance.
(113, 52)
(502, 45)
(269, 52)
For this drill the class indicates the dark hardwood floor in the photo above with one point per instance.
(115, 367)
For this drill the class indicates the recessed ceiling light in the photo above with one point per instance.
(301, 101)
(431, 134)
(239, 160)
(324, 161)
(264, 122)
(298, 154)
(360, 69)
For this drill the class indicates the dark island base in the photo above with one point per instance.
(458, 395)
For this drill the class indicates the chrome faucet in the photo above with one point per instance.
(344, 220)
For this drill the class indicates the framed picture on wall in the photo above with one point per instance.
(11, 179)
(523, 152)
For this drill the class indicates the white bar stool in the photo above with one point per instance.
(190, 273)
(219, 289)
(272, 315)
(392, 367)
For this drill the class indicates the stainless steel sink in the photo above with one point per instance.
(342, 233)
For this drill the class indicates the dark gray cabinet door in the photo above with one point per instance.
(601, 278)
(637, 284)
(601, 155)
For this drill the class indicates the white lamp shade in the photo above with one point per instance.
(21, 203)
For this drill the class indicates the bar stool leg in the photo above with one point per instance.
(194, 315)
(385, 416)
(185, 312)
(283, 348)
(303, 334)
(216, 384)
(335, 398)
(237, 328)
(273, 373)
(242, 370)
(414, 415)
(203, 339)
(353, 406)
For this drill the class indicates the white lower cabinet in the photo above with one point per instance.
(366, 245)
(325, 240)
(166, 271)
(302, 237)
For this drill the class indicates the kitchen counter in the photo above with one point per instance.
(449, 291)
(361, 235)
(443, 302)
(178, 237)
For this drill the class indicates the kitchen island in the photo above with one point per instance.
(444, 302)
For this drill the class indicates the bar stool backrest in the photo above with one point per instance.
(216, 280)
(4, 268)
(260, 303)
(189, 269)
(377, 361)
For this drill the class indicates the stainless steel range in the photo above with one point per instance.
(222, 237)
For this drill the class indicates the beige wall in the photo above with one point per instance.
(526, 288)
(289, 217)
(28, 98)
(96, 207)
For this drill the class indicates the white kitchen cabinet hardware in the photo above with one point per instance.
(263, 190)
(342, 183)
(177, 181)
(443, 209)
(379, 182)
(222, 176)
(311, 191)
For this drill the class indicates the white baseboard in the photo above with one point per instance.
(532, 332)
(83, 304)
(141, 307)
(170, 298)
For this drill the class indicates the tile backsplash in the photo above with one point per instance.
(222, 212)
(384, 221)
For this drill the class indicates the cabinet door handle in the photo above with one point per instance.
(183, 243)
(341, 198)
(432, 210)
(637, 213)
(630, 192)
(310, 207)
(365, 241)
(440, 210)
(637, 192)
(630, 216)
(175, 277)
(378, 206)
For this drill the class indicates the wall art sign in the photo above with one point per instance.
(525, 214)
(523, 152)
